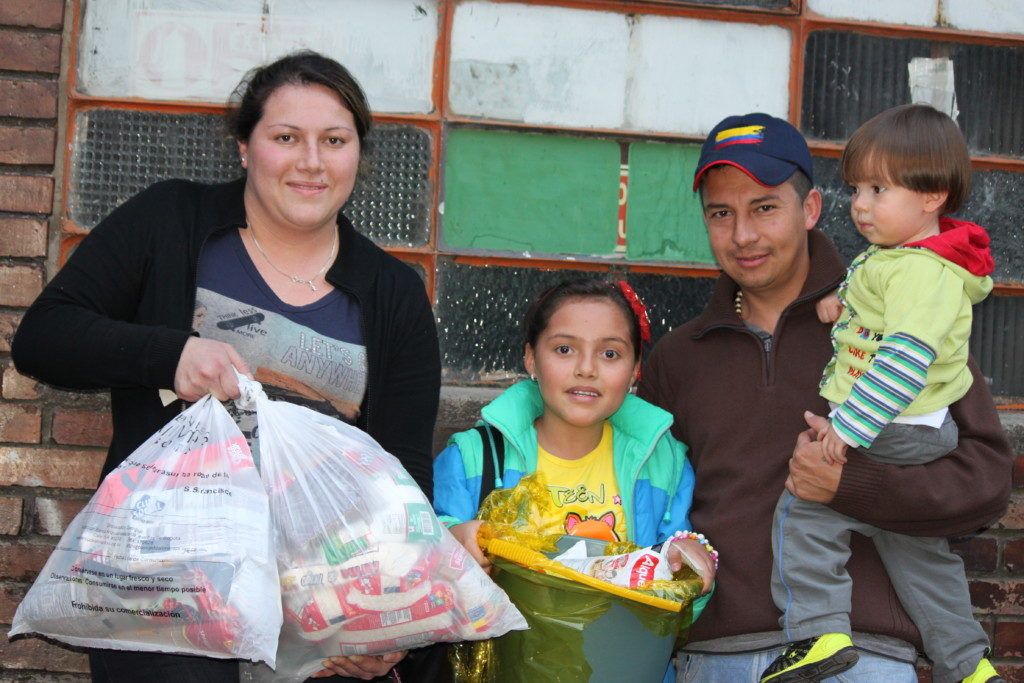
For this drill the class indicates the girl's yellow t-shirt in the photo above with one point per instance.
(585, 492)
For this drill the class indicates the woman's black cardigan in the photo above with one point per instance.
(118, 314)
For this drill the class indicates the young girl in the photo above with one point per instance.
(900, 359)
(611, 465)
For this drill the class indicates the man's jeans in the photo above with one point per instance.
(747, 667)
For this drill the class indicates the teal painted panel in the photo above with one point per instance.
(664, 221)
(524, 192)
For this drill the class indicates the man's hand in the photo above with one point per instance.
(208, 367)
(365, 667)
(811, 476)
(465, 534)
(829, 308)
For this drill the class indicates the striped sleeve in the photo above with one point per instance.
(896, 376)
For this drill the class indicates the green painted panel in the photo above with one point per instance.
(664, 220)
(524, 192)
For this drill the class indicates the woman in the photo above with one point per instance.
(186, 282)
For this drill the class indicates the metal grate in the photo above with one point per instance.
(119, 152)
(480, 310)
(850, 77)
(997, 342)
(996, 202)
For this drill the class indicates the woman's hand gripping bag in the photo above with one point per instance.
(171, 554)
(365, 565)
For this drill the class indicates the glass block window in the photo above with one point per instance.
(997, 342)
(509, 153)
(850, 77)
(118, 152)
(480, 311)
(996, 202)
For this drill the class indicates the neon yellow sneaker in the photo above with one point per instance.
(812, 659)
(984, 673)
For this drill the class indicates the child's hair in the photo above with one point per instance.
(912, 146)
(544, 306)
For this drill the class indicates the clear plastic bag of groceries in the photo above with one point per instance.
(365, 565)
(171, 554)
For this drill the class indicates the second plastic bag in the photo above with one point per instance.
(365, 565)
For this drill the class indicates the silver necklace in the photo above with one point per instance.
(295, 278)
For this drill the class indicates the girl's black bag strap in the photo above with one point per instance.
(493, 460)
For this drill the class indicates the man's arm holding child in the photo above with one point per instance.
(956, 494)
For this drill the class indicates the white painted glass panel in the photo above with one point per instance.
(997, 16)
(689, 74)
(199, 49)
(542, 65)
(911, 12)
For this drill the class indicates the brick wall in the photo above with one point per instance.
(46, 465)
(51, 442)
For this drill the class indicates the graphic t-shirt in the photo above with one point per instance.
(312, 355)
(585, 491)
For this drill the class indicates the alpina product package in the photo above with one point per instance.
(172, 553)
(365, 566)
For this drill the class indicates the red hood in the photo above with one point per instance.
(962, 242)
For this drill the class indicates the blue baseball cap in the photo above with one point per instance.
(767, 149)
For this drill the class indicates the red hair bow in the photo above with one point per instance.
(639, 310)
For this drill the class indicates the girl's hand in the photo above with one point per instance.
(829, 308)
(465, 534)
(693, 554)
(366, 667)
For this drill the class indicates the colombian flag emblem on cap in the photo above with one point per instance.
(744, 135)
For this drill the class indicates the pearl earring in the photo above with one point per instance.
(533, 377)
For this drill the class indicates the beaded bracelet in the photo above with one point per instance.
(700, 539)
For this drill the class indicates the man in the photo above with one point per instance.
(739, 378)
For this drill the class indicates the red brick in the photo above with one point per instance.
(1014, 517)
(20, 285)
(18, 386)
(28, 99)
(28, 194)
(1013, 555)
(34, 13)
(22, 561)
(1011, 673)
(978, 553)
(27, 145)
(29, 51)
(52, 515)
(10, 596)
(51, 467)
(20, 423)
(1005, 597)
(82, 428)
(33, 653)
(1009, 639)
(8, 323)
(10, 515)
(22, 237)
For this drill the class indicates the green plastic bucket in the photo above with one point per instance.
(580, 634)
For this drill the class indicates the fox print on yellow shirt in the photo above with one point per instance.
(585, 492)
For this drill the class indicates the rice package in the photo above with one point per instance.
(365, 566)
(171, 554)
